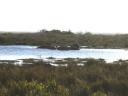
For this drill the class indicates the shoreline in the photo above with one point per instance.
(81, 47)
(59, 61)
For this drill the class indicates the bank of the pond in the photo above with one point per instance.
(56, 62)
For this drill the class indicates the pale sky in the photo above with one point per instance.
(96, 16)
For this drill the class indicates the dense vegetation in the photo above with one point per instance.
(62, 38)
(95, 78)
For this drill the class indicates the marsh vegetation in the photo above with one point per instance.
(95, 78)
(67, 76)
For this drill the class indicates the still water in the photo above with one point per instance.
(13, 52)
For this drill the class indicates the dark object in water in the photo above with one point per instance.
(47, 47)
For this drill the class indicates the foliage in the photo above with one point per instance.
(65, 38)
(98, 94)
(95, 78)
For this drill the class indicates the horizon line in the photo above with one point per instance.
(104, 33)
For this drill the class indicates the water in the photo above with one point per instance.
(14, 52)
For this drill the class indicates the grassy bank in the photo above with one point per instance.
(95, 78)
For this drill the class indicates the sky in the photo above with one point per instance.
(96, 16)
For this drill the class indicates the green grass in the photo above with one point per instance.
(95, 78)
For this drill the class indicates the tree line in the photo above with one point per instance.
(65, 38)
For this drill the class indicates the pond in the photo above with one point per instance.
(14, 52)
